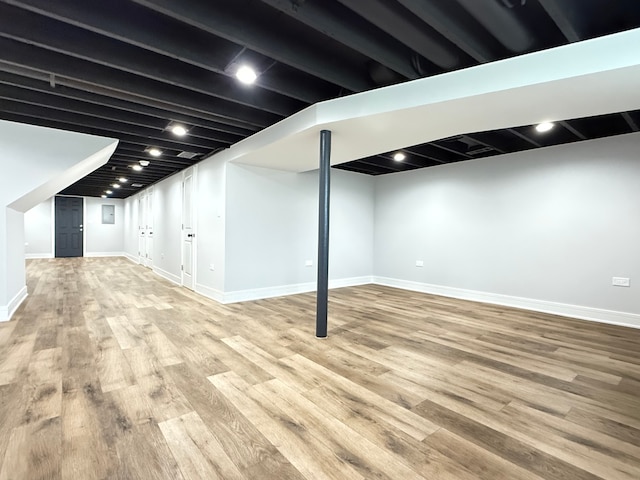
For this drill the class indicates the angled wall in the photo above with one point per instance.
(43, 162)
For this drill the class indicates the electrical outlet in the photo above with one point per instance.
(211, 267)
(419, 263)
(620, 282)
(308, 263)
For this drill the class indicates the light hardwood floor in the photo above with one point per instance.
(108, 371)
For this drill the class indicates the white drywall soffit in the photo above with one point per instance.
(583, 79)
(45, 161)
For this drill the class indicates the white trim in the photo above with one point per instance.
(293, 289)
(38, 255)
(105, 254)
(167, 275)
(132, 258)
(612, 317)
(209, 292)
(7, 311)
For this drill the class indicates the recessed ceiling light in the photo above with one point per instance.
(103, 196)
(246, 74)
(144, 163)
(116, 185)
(178, 130)
(399, 156)
(137, 168)
(154, 152)
(108, 192)
(123, 180)
(544, 127)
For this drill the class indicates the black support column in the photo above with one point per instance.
(322, 296)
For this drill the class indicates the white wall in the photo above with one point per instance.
(272, 225)
(131, 227)
(167, 227)
(103, 239)
(210, 201)
(544, 229)
(12, 280)
(38, 230)
(99, 239)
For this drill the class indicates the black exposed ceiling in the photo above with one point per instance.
(126, 69)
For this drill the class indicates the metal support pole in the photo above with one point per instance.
(322, 296)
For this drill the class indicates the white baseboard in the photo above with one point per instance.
(7, 311)
(293, 289)
(575, 311)
(131, 258)
(104, 254)
(167, 275)
(209, 292)
(38, 255)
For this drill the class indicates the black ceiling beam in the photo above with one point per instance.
(106, 113)
(561, 17)
(23, 55)
(348, 29)
(112, 128)
(502, 23)
(35, 120)
(573, 130)
(192, 46)
(630, 121)
(482, 138)
(156, 162)
(64, 38)
(406, 28)
(229, 21)
(415, 150)
(524, 137)
(104, 95)
(468, 40)
(42, 85)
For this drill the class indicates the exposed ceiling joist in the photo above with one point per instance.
(228, 20)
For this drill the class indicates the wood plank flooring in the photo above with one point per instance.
(110, 372)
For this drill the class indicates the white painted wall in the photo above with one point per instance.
(167, 211)
(13, 289)
(131, 227)
(542, 229)
(38, 230)
(103, 239)
(210, 225)
(99, 239)
(272, 225)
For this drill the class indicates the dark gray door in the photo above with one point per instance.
(68, 227)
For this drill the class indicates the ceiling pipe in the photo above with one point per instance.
(501, 22)
(407, 29)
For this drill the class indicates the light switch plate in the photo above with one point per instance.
(419, 263)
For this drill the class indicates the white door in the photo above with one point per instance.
(142, 230)
(188, 232)
(149, 225)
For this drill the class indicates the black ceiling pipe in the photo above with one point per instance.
(501, 22)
